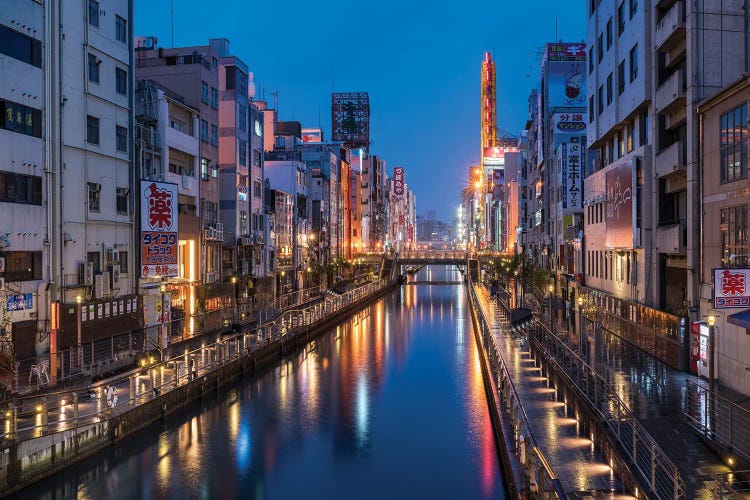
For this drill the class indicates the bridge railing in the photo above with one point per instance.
(433, 254)
(537, 469)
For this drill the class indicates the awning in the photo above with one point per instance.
(741, 319)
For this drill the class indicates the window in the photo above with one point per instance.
(643, 129)
(633, 63)
(121, 29)
(94, 13)
(21, 47)
(204, 169)
(734, 144)
(214, 135)
(257, 189)
(204, 131)
(599, 48)
(591, 60)
(122, 201)
(242, 117)
(621, 77)
(19, 118)
(609, 89)
(621, 18)
(243, 152)
(22, 266)
(95, 259)
(122, 139)
(591, 109)
(214, 171)
(94, 192)
(633, 8)
(214, 98)
(229, 72)
(214, 63)
(600, 98)
(629, 136)
(243, 222)
(20, 188)
(93, 68)
(256, 158)
(123, 262)
(204, 92)
(735, 236)
(92, 130)
(609, 33)
(121, 81)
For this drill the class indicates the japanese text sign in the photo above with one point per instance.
(731, 288)
(159, 223)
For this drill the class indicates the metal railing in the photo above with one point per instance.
(34, 416)
(639, 447)
(718, 419)
(731, 486)
(536, 467)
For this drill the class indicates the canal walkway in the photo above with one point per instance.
(564, 441)
(55, 411)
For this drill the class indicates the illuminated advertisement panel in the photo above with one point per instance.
(619, 206)
(731, 288)
(312, 135)
(398, 181)
(570, 157)
(159, 226)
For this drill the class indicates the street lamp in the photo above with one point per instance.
(551, 318)
(711, 320)
(234, 303)
(163, 337)
(79, 299)
(580, 325)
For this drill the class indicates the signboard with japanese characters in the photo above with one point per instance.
(569, 156)
(731, 288)
(159, 224)
(619, 206)
(398, 181)
(568, 123)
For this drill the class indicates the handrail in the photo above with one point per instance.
(554, 485)
(165, 375)
(659, 472)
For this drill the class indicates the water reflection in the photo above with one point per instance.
(388, 404)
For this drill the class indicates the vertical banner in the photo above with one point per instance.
(398, 181)
(573, 177)
(159, 226)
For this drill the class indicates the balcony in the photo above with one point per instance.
(181, 141)
(671, 159)
(670, 96)
(671, 29)
(672, 238)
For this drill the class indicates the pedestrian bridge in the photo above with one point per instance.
(432, 257)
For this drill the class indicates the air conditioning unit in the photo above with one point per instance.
(106, 277)
(209, 277)
(86, 273)
(98, 286)
(114, 272)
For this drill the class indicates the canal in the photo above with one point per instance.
(389, 404)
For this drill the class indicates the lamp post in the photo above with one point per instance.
(163, 336)
(580, 325)
(234, 303)
(79, 300)
(711, 320)
(551, 315)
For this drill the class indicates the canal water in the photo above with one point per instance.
(389, 404)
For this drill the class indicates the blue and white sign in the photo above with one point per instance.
(20, 302)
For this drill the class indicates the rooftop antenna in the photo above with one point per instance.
(172, 16)
(276, 101)
(555, 27)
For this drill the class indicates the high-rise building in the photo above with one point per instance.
(191, 74)
(350, 119)
(649, 63)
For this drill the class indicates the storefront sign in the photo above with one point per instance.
(398, 181)
(19, 302)
(159, 226)
(569, 154)
(731, 288)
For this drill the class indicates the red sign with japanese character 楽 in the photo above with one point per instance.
(731, 288)
(159, 221)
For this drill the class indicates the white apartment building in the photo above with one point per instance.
(649, 63)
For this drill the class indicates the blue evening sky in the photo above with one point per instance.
(420, 62)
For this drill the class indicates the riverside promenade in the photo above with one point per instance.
(44, 433)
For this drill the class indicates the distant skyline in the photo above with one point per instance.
(420, 67)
